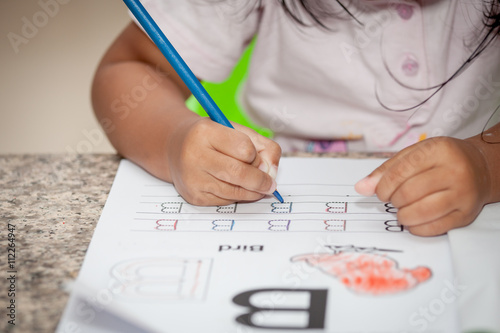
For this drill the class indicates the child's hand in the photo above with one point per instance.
(437, 185)
(211, 164)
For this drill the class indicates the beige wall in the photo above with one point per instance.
(46, 72)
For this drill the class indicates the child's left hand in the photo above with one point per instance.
(436, 185)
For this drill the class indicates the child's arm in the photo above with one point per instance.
(440, 183)
(140, 102)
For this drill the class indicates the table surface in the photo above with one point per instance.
(54, 203)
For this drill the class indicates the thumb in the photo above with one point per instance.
(268, 151)
(368, 185)
(269, 162)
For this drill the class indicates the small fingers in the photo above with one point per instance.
(220, 165)
(269, 152)
(431, 184)
(236, 144)
(222, 193)
(409, 162)
(393, 178)
(246, 159)
(206, 190)
(440, 226)
(430, 208)
(436, 214)
(421, 185)
(368, 185)
(240, 174)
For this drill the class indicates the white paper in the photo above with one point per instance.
(476, 259)
(327, 260)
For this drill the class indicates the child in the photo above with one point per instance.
(325, 76)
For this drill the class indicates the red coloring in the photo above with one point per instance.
(367, 273)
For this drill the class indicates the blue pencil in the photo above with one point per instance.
(178, 64)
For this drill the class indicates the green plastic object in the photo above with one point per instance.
(225, 95)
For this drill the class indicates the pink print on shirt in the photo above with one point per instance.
(325, 146)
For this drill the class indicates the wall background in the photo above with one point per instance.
(49, 50)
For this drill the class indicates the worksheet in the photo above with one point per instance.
(325, 260)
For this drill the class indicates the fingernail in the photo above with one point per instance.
(264, 167)
(366, 186)
(273, 171)
(273, 187)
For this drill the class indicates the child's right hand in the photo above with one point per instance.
(208, 163)
(211, 164)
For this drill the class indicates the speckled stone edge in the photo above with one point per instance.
(54, 202)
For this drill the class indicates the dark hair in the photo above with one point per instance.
(491, 22)
(319, 11)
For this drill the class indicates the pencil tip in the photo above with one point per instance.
(278, 196)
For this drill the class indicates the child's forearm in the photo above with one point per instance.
(139, 110)
(138, 103)
(490, 149)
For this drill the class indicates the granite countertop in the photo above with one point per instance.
(53, 203)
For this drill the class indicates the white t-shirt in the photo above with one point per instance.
(313, 86)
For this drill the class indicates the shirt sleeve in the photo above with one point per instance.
(210, 35)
